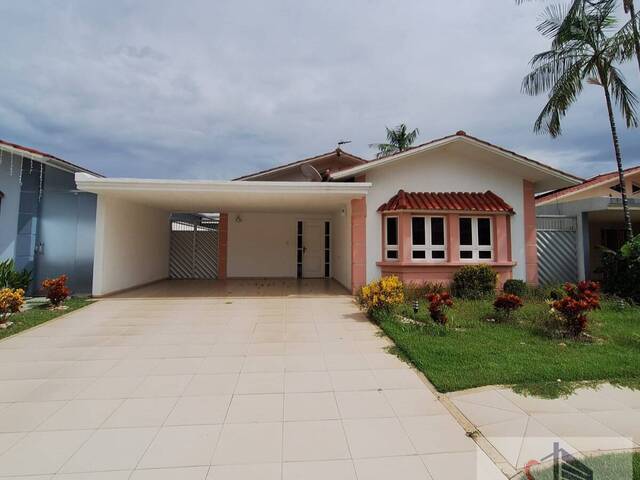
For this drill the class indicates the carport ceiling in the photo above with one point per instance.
(226, 196)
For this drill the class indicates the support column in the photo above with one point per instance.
(530, 233)
(358, 244)
(223, 235)
(405, 241)
(453, 237)
(584, 246)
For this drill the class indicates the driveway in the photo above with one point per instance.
(287, 387)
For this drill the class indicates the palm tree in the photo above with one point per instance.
(398, 140)
(630, 8)
(582, 51)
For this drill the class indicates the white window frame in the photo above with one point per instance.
(475, 248)
(428, 247)
(387, 247)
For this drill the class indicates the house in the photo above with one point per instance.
(593, 210)
(420, 214)
(46, 225)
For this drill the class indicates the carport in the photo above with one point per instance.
(284, 230)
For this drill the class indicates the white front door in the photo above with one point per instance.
(313, 249)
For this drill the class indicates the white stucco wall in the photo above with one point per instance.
(341, 246)
(132, 245)
(264, 244)
(442, 171)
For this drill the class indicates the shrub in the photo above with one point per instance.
(381, 294)
(418, 291)
(11, 278)
(506, 304)
(438, 303)
(10, 302)
(56, 289)
(621, 271)
(474, 282)
(546, 292)
(580, 299)
(515, 287)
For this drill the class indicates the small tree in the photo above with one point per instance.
(56, 289)
(398, 140)
(438, 304)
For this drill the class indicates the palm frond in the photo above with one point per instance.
(626, 100)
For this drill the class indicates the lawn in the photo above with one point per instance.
(472, 352)
(40, 314)
(613, 466)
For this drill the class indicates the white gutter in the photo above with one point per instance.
(44, 159)
(94, 184)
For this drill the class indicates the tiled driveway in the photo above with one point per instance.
(282, 387)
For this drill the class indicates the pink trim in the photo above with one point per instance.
(405, 242)
(438, 272)
(530, 233)
(358, 244)
(223, 234)
(453, 237)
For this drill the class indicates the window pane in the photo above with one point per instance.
(299, 241)
(465, 231)
(417, 230)
(392, 231)
(484, 254)
(299, 228)
(392, 254)
(326, 256)
(437, 231)
(327, 242)
(327, 228)
(466, 254)
(299, 256)
(327, 270)
(419, 254)
(437, 255)
(484, 231)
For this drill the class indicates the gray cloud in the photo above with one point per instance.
(200, 89)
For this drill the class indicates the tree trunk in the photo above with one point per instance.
(616, 146)
(634, 24)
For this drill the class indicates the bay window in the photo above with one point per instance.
(391, 238)
(476, 239)
(428, 238)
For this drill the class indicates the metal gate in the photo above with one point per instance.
(557, 249)
(193, 249)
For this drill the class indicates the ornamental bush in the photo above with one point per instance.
(505, 304)
(515, 287)
(475, 282)
(381, 294)
(438, 304)
(56, 289)
(10, 302)
(580, 299)
(621, 271)
(11, 278)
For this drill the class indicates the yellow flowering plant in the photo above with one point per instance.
(10, 302)
(381, 294)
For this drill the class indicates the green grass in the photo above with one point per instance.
(614, 466)
(38, 315)
(471, 352)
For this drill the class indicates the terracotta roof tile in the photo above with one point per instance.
(450, 201)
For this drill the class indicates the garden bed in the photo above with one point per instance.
(40, 314)
(471, 351)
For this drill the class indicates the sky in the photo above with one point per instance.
(216, 89)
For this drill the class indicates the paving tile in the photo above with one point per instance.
(473, 465)
(349, 381)
(531, 404)
(368, 404)
(481, 415)
(437, 434)
(162, 386)
(220, 364)
(507, 437)
(249, 443)
(179, 366)
(133, 367)
(406, 468)
(487, 398)
(414, 402)
(304, 363)
(186, 473)
(111, 449)
(538, 443)
(80, 415)
(378, 437)
(310, 406)
(53, 450)
(141, 412)
(24, 417)
(182, 446)
(58, 389)
(319, 470)
(264, 363)
(623, 422)
(315, 440)
(398, 379)
(212, 384)
(256, 408)
(592, 400)
(260, 383)
(119, 475)
(345, 361)
(307, 382)
(16, 390)
(200, 410)
(259, 471)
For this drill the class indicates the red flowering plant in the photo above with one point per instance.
(579, 300)
(438, 303)
(56, 289)
(505, 304)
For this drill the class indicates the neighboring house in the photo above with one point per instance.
(469, 202)
(593, 210)
(46, 225)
